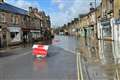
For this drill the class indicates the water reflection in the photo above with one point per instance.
(39, 64)
(68, 43)
(102, 58)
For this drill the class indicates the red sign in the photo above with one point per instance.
(40, 50)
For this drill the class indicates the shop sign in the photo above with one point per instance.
(14, 29)
(37, 31)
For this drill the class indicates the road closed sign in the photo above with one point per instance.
(40, 50)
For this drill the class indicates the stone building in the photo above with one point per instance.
(11, 22)
(105, 26)
(17, 24)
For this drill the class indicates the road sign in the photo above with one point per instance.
(40, 50)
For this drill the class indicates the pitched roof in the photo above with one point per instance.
(12, 9)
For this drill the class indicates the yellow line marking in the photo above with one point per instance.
(78, 73)
(80, 65)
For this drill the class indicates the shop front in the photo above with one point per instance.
(116, 30)
(15, 35)
(104, 30)
(36, 34)
(28, 35)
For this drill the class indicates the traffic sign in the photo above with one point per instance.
(40, 50)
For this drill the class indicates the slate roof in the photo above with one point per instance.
(12, 9)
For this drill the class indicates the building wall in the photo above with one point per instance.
(116, 9)
(10, 22)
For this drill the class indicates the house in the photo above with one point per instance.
(104, 24)
(17, 24)
(11, 23)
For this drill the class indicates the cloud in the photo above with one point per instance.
(59, 4)
(69, 9)
(66, 11)
(56, 1)
(24, 4)
(58, 18)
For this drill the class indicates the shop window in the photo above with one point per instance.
(13, 34)
(4, 36)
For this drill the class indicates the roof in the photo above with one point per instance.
(12, 9)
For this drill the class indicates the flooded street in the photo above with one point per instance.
(60, 64)
(98, 60)
(66, 42)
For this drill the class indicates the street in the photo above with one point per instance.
(69, 58)
(59, 39)
(59, 65)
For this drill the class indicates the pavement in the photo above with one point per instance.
(12, 50)
(100, 59)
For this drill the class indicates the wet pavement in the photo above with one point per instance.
(59, 65)
(100, 59)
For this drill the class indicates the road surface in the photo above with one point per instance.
(59, 65)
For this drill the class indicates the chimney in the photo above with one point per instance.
(35, 10)
(91, 7)
(1, 1)
(30, 9)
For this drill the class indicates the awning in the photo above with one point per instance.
(35, 31)
(14, 29)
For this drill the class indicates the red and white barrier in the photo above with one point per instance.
(40, 50)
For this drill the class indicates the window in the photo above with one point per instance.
(119, 12)
(2, 17)
(13, 34)
(13, 19)
(17, 20)
(110, 4)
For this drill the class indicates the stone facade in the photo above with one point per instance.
(116, 9)
(116, 21)
(18, 25)
(98, 21)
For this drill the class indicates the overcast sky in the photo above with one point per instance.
(60, 11)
